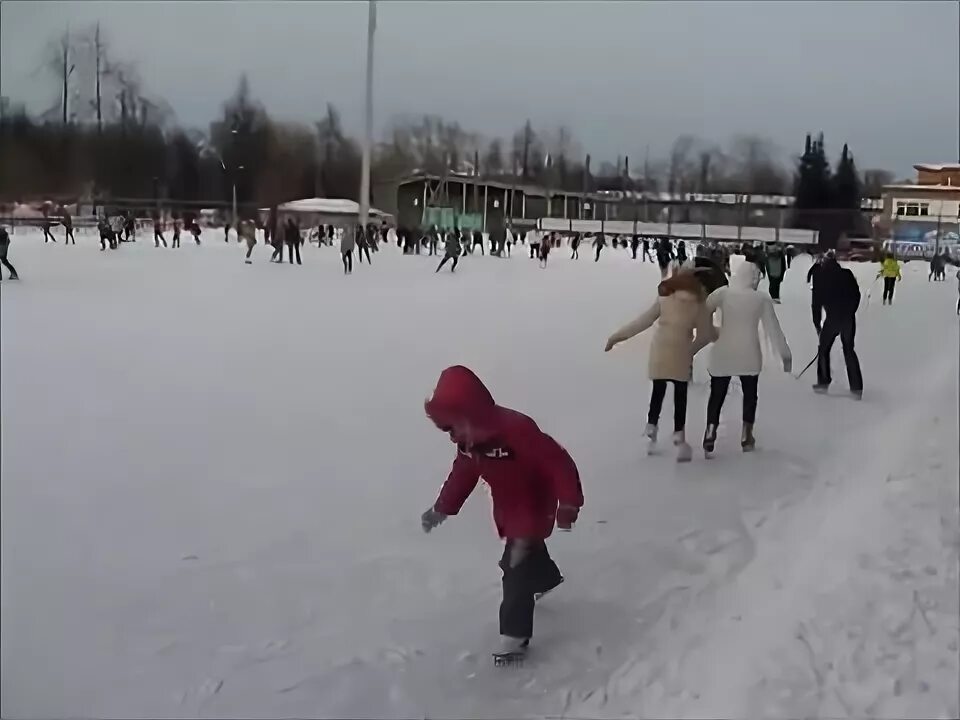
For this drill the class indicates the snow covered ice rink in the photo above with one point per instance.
(212, 477)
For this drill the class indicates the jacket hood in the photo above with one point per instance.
(747, 276)
(683, 281)
(459, 395)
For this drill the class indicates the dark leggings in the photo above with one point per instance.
(443, 262)
(292, 248)
(596, 258)
(361, 249)
(679, 403)
(8, 266)
(718, 393)
(775, 287)
(889, 285)
(347, 261)
(70, 236)
(527, 569)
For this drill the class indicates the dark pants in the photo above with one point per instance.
(576, 253)
(718, 393)
(596, 258)
(846, 327)
(679, 403)
(70, 236)
(176, 240)
(48, 236)
(291, 247)
(8, 266)
(634, 249)
(158, 238)
(128, 233)
(277, 253)
(347, 261)
(789, 259)
(527, 569)
(433, 247)
(534, 249)
(775, 287)
(889, 285)
(480, 244)
(361, 249)
(647, 255)
(443, 262)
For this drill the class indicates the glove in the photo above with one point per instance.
(567, 516)
(788, 363)
(430, 519)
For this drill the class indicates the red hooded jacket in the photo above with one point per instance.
(528, 472)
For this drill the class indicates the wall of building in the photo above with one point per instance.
(946, 176)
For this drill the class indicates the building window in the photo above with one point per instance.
(913, 209)
(924, 208)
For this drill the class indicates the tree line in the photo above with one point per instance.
(107, 137)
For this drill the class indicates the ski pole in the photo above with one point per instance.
(809, 364)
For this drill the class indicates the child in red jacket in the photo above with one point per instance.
(533, 482)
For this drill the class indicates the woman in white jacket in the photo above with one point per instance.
(737, 349)
(681, 311)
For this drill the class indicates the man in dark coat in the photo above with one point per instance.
(291, 236)
(840, 294)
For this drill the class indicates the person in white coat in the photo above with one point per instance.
(681, 312)
(737, 351)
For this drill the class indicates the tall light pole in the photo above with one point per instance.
(368, 112)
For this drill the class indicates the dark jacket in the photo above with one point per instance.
(4, 242)
(291, 234)
(836, 288)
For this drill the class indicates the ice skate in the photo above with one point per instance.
(510, 651)
(540, 595)
(747, 442)
(248, 262)
(820, 388)
(650, 432)
(856, 394)
(684, 451)
(709, 440)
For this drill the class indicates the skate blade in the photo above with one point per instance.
(508, 659)
(748, 448)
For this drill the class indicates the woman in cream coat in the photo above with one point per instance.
(681, 311)
(737, 351)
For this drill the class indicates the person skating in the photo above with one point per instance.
(348, 242)
(158, 231)
(4, 250)
(176, 232)
(533, 481)
(681, 253)
(195, 230)
(508, 241)
(434, 238)
(292, 238)
(106, 234)
(130, 228)
(545, 248)
(646, 250)
(684, 328)
(534, 237)
(776, 270)
(46, 224)
(599, 242)
(664, 255)
(363, 245)
(634, 245)
(67, 220)
(575, 245)
(226, 233)
(890, 272)
(737, 351)
(840, 295)
(451, 250)
(477, 242)
(248, 232)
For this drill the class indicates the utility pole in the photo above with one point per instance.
(99, 49)
(368, 112)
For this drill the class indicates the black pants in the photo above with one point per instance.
(889, 285)
(128, 233)
(291, 247)
(277, 254)
(106, 238)
(8, 266)
(647, 255)
(158, 238)
(347, 257)
(679, 403)
(576, 253)
(70, 236)
(480, 243)
(48, 236)
(596, 258)
(775, 287)
(361, 249)
(634, 249)
(718, 393)
(176, 240)
(789, 259)
(455, 258)
(433, 247)
(534, 250)
(846, 327)
(527, 569)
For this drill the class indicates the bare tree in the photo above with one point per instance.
(681, 165)
(874, 180)
(757, 170)
(493, 158)
(60, 62)
(100, 59)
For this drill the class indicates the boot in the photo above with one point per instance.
(684, 451)
(538, 596)
(709, 439)
(747, 441)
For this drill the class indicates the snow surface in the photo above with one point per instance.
(212, 476)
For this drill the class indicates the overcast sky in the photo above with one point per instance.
(883, 76)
